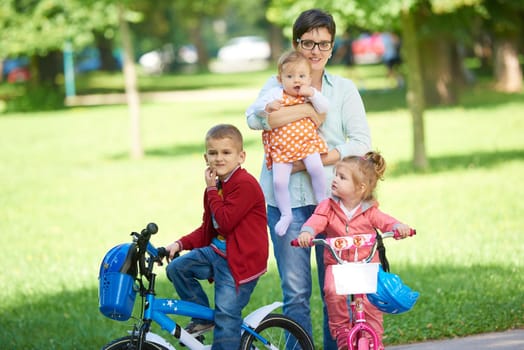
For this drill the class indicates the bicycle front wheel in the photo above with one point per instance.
(277, 332)
(131, 343)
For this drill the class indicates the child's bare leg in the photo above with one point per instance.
(281, 174)
(315, 169)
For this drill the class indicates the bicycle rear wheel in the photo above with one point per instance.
(131, 343)
(277, 332)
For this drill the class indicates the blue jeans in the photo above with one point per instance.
(294, 268)
(329, 342)
(202, 264)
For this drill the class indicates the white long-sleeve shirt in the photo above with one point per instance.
(345, 129)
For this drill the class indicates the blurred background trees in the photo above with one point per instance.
(438, 40)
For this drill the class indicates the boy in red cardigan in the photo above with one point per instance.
(230, 247)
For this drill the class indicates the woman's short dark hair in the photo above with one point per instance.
(312, 19)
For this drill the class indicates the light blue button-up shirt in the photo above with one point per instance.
(345, 129)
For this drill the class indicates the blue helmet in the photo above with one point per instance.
(392, 295)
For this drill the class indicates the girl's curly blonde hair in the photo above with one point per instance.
(370, 169)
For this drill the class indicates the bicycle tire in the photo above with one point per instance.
(130, 343)
(281, 331)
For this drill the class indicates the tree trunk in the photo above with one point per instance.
(130, 78)
(276, 40)
(415, 91)
(508, 74)
(195, 33)
(439, 80)
(47, 68)
(483, 50)
(105, 46)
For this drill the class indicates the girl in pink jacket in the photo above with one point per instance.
(352, 209)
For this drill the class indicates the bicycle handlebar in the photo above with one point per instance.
(144, 245)
(356, 241)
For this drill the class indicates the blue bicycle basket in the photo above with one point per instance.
(392, 295)
(117, 288)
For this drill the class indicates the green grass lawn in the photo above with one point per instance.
(69, 192)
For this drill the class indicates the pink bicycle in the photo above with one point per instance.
(384, 290)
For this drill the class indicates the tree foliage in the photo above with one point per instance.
(430, 41)
(36, 27)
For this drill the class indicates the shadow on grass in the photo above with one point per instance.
(478, 97)
(457, 301)
(179, 150)
(454, 301)
(71, 319)
(473, 160)
(384, 100)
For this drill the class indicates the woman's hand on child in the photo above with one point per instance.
(304, 239)
(298, 165)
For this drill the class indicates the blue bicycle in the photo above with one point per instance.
(127, 270)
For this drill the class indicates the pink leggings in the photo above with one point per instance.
(282, 172)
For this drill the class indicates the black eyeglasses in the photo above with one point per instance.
(310, 44)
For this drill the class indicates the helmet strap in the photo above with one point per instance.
(382, 252)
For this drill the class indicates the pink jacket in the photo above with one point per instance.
(329, 218)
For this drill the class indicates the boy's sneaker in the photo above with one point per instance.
(195, 329)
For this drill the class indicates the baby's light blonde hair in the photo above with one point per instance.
(293, 57)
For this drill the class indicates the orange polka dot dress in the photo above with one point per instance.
(293, 141)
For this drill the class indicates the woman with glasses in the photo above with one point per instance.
(346, 132)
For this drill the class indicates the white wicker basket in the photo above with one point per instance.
(354, 278)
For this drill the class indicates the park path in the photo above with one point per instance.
(166, 96)
(507, 340)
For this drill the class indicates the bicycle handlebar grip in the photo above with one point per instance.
(294, 243)
(162, 252)
(412, 232)
(152, 228)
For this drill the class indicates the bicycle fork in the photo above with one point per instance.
(357, 339)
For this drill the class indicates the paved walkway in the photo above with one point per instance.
(508, 340)
(166, 96)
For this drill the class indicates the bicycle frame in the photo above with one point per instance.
(156, 309)
(360, 325)
(160, 307)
